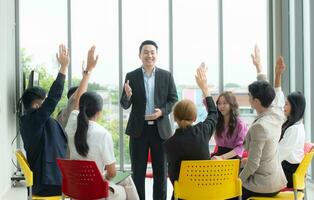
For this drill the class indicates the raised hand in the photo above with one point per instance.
(201, 79)
(63, 56)
(256, 59)
(91, 59)
(280, 66)
(127, 89)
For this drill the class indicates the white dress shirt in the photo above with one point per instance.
(291, 146)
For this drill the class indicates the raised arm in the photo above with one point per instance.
(280, 68)
(256, 59)
(201, 80)
(209, 124)
(91, 64)
(279, 100)
(56, 89)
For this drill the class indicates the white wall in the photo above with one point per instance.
(7, 93)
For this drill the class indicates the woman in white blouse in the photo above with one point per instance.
(88, 140)
(292, 139)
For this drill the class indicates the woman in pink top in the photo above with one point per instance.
(230, 129)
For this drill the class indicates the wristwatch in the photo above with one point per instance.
(87, 72)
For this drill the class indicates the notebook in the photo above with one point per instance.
(120, 176)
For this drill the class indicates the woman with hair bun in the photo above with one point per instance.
(190, 142)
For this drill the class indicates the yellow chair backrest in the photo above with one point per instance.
(28, 174)
(208, 179)
(300, 173)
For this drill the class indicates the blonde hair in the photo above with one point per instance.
(184, 113)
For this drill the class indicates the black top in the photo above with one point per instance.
(191, 143)
(44, 139)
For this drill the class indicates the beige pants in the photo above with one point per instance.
(125, 190)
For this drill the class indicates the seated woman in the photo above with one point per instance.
(230, 129)
(292, 139)
(90, 141)
(190, 142)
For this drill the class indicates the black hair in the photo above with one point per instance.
(297, 102)
(234, 114)
(32, 94)
(90, 103)
(262, 91)
(148, 42)
(71, 91)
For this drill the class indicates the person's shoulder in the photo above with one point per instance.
(296, 127)
(162, 71)
(135, 71)
(99, 130)
(241, 123)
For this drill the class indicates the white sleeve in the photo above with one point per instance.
(107, 150)
(287, 143)
(72, 122)
(279, 100)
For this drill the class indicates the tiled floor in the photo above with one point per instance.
(19, 192)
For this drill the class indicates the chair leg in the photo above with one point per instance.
(295, 192)
(30, 194)
(305, 196)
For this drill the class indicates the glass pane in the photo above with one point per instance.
(143, 22)
(95, 23)
(42, 28)
(195, 33)
(244, 25)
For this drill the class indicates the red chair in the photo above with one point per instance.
(82, 180)
(149, 173)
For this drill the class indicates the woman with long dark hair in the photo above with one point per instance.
(88, 140)
(230, 129)
(292, 139)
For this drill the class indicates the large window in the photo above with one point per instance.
(94, 23)
(142, 20)
(43, 26)
(195, 39)
(244, 25)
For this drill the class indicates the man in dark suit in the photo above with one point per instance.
(152, 93)
(43, 137)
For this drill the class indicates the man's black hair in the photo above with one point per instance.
(32, 94)
(148, 42)
(262, 91)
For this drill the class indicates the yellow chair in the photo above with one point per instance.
(208, 179)
(299, 177)
(28, 174)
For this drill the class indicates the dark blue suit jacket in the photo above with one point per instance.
(44, 139)
(164, 98)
